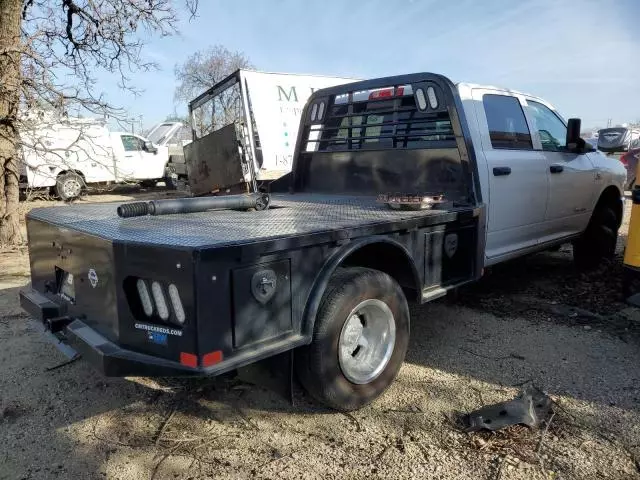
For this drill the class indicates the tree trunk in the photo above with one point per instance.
(10, 76)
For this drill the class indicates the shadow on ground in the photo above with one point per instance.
(70, 422)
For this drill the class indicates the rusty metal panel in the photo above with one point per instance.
(214, 161)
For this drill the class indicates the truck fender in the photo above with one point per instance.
(336, 260)
(612, 196)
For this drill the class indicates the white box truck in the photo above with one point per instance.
(248, 124)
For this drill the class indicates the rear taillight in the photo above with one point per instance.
(155, 301)
(383, 93)
(388, 92)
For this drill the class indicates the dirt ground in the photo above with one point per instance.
(534, 320)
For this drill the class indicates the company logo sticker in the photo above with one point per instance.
(158, 329)
(93, 277)
(157, 338)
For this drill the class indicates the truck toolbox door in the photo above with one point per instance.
(572, 176)
(517, 178)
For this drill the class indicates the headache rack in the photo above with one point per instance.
(392, 117)
(390, 136)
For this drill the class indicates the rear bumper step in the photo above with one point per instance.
(73, 335)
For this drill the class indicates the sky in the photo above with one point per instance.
(581, 56)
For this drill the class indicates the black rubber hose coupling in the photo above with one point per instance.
(136, 209)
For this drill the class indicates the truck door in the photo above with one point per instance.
(518, 182)
(138, 164)
(572, 176)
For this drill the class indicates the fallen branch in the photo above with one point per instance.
(499, 472)
(506, 357)
(64, 364)
(544, 432)
(164, 425)
(354, 420)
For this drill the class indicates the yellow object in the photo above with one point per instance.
(632, 250)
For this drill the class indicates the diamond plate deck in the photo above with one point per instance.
(290, 215)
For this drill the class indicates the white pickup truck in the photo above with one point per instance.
(401, 189)
(540, 192)
(72, 154)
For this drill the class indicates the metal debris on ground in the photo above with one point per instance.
(531, 407)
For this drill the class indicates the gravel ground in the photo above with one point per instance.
(534, 320)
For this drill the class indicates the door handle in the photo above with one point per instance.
(128, 156)
(556, 168)
(499, 171)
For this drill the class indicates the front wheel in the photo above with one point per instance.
(360, 339)
(69, 186)
(599, 240)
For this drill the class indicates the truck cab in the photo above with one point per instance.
(539, 190)
(137, 159)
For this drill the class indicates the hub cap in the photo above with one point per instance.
(366, 341)
(71, 188)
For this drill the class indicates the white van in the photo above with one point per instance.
(70, 154)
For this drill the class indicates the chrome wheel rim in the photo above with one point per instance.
(366, 341)
(71, 188)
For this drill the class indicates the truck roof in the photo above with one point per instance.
(464, 90)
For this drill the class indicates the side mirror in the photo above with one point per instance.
(575, 143)
(573, 133)
(149, 147)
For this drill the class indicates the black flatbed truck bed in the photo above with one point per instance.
(255, 285)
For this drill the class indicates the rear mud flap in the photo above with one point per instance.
(274, 373)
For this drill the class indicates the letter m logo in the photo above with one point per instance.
(288, 96)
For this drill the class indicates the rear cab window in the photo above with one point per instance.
(507, 124)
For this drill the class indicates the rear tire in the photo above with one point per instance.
(69, 186)
(599, 240)
(360, 339)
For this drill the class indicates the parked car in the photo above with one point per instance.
(173, 135)
(630, 160)
(618, 139)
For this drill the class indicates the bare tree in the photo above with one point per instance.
(201, 71)
(49, 53)
(204, 69)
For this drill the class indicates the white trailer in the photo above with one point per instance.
(248, 124)
(71, 154)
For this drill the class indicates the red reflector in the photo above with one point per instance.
(400, 92)
(212, 358)
(189, 360)
(387, 92)
(624, 159)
